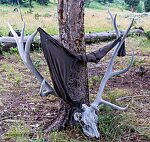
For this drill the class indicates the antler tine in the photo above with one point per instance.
(109, 73)
(118, 47)
(22, 32)
(115, 26)
(113, 18)
(116, 51)
(25, 56)
(19, 46)
(13, 32)
(113, 105)
(44, 85)
(28, 44)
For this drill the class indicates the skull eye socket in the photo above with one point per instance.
(82, 123)
(77, 117)
(86, 125)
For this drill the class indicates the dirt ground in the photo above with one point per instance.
(20, 102)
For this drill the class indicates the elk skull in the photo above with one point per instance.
(88, 119)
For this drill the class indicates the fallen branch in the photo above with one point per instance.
(130, 97)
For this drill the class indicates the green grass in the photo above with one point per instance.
(18, 132)
(11, 74)
(112, 125)
(96, 5)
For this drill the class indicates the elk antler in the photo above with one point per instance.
(25, 56)
(109, 73)
(88, 117)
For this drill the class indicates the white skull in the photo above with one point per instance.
(88, 119)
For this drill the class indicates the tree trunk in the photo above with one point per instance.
(71, 28)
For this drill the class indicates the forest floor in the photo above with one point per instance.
(24, 114)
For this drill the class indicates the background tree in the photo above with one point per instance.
(110, 1)
(102, 1)
(30, 3)
(10, 1)
(105, 1)
(132, 4)
(43, 2)
(87, 3)
(147, 5)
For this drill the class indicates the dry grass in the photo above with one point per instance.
(46, 17)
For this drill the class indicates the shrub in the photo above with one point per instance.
(147, 34)
(139, 8)
(43, 2)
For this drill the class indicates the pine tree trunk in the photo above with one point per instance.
(71, 28)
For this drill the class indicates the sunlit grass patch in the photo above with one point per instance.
(18, 132)
(11, 74)
(96, 20)
(109, 124)
(113, 95)
(66, 136)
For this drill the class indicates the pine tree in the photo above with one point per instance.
(147, 5)
(132, 4)
(87, 3)
(43, 2)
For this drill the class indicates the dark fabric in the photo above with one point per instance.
(122, 50)
(62, 62)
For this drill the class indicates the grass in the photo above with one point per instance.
(113, 95)
(20, 132)
(38, 18)
(11, 74)
(17, 131)
(113, 125)
(46, 17)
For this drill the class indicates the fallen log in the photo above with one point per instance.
(99, 37)
(89, 38)
(8, 42)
